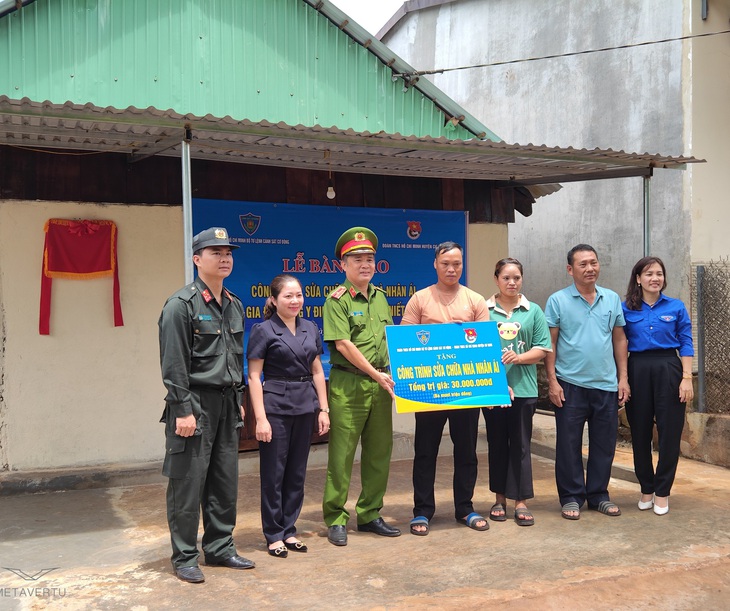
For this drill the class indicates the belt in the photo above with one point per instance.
(359, 372)
(221, 389)
(295, 379)
(670, 352)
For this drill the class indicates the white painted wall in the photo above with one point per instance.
(88, 393)
(707, 97)
(631, 99)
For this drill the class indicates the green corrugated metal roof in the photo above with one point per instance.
(274, 60)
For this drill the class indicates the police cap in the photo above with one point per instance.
(213, 236)
(356, 240)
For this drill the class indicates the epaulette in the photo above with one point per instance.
(338, 292)
(186, 293)
(379, 288)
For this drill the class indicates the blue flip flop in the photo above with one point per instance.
(472, 519)
(419, 521)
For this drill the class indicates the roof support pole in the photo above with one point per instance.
(187, 203)
(647, 219)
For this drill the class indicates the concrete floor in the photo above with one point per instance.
(109, 549)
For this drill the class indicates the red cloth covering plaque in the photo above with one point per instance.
(78, 250)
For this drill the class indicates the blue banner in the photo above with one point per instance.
(447, 366)
(300, 240)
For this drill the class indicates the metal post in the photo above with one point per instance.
(647, 219)
(187, 203)
(700, 340)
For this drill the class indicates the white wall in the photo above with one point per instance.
(630, 99)
(88, 393)
(707, 96)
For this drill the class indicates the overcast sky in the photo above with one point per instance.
(370, 14)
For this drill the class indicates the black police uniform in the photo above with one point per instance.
(201, 354)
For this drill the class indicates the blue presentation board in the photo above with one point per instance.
(300, 240)
(447, 366)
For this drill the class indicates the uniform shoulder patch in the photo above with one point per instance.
(338, 292)
(231, 296)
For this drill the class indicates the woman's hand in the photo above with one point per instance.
(510, 357)
(686, 391)
(324, 423)
(263, 430)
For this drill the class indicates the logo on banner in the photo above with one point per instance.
(250, 222)
(470, 335)
(423, 336)
(414, 229)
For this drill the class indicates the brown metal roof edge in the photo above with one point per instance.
(330, 135)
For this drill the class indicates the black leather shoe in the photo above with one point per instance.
(191, 574)
(337, 535)
(379, 527)
(234, 562)
(279, 552)
(296, 546)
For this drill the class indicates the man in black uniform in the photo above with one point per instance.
(201, 354)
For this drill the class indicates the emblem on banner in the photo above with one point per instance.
(423, 336)
(250, 222)
(470, 335)
(414, 229)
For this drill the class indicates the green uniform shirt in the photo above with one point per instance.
(348, 314)
(201, 344)
(532, 332)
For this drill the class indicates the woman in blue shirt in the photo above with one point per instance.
(657, 328)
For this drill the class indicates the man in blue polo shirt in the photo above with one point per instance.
(587, 379)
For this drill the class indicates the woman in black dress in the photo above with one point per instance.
(286, 349)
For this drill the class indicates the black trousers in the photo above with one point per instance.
(599, 408)
(463, 425)
(283, 468)
(509, 432)
(654, 378)
(203, 474)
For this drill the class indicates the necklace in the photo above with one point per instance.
(441, 300)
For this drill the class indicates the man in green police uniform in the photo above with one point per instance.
(201, 354)
(360, 390)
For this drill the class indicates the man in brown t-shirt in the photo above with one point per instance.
(446, 301)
